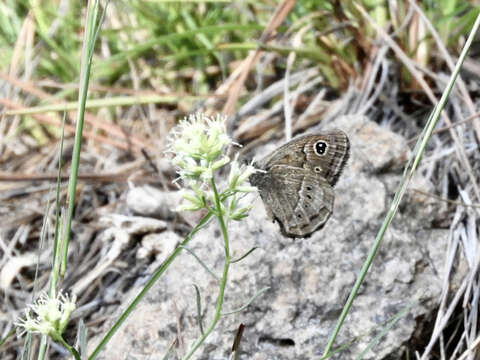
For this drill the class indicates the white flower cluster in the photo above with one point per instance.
(47, 315)
(199, 144)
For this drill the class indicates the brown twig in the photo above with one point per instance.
(102, 178)
(453, 202)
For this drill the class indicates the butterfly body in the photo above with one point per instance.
(296, 181)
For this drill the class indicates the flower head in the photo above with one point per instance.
(199, 144)
(47, 315)
(239, 174)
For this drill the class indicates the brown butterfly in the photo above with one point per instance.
(296, 184)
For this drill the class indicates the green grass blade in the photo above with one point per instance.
(245, 255)
(88, 47)
(207, 269)
(56, 249)
(409, 171)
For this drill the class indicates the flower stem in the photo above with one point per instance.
(71, 349)
(223, 280)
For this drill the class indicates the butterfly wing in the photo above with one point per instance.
(325, 155)
(298, 199)
(297, 181)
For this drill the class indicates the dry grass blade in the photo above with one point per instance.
(439, 198)
(288, 100)
(445, 128)
(443, 320)
(364, 103)
(239, 77)
(428, 91)
(47, 120)
(473, 349)
(450, 63)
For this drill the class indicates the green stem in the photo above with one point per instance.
(71, 349)
(223, 280)
(408, 174)
(56, 243)
(10, 333)
(42, 349)
(149, 284)
(87, 51)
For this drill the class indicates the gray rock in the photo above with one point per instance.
(133, 225)
(309, 280)
(149, 201)
(160, 245)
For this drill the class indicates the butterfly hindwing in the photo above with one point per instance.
(296, 181)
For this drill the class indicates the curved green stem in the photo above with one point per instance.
(71, 349)
(223, 280)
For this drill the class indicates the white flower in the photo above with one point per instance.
(47, 315)
(197, 142)
(199, 145)
(238, 175)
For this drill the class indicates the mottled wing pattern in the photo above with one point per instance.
(301, 202)
(300, 152)
(330, 165)
(296, 184)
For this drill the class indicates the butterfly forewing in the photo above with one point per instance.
(296, 184)
(327, 155)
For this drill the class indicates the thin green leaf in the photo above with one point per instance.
(82, 339)
(10, 333)
(408, 174)
(201, 263)
(156, 275)
(199, 308)
(402, 313)
(260, 292)
(88, 47)
(56, 243)
(245, 255)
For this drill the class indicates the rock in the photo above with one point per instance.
(160, 245)
(12, 267)
(373, 148)
(309, 280)
(149, 201)
(133, 225)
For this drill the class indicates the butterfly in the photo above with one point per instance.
(296, 181)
